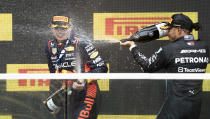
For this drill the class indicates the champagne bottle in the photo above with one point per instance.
(148, 33)
(55, 101)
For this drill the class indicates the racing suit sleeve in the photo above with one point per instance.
(50, 64)
(92, 58)
(157, 61)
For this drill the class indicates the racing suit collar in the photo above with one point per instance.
(178, 39)
(56, 41)
(60, 43)
(186, 38)
(189, 37)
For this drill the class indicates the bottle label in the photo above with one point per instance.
(51, 105)
(162, 32)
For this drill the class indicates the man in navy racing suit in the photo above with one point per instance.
(183, 55)
(70, 53)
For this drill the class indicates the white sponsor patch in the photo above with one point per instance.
(97, 59)
(70, 55)
(192, 60)
(90, 53)
(88, 48)
(66, 64)
(100, 64)
(53, 57)
(70, 58)
(193, 51)
(184, 69)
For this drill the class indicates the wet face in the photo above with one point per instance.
(60, 33)
(173, 34)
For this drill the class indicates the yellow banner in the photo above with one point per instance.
(27, 85)
(40, 84)
(116, 26)
(104, 83)
(5, 27)
(5, 116)
(206, 83)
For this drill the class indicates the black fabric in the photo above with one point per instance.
(184, 21)
(75, 104)
(185, 55)
(176, 107)
(183, 106)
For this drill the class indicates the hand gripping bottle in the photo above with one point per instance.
(55, 101)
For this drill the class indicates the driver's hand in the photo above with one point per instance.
(79, 84)
(127, 43)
